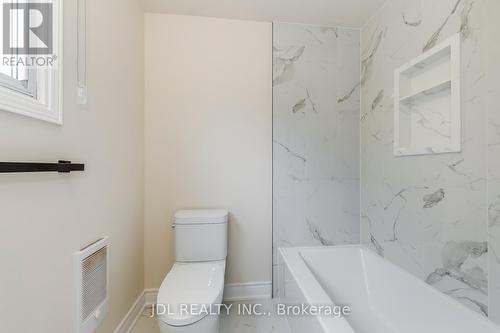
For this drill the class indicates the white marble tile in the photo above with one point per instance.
(255, 324)
(426, 213)
(316, 136)
(493, 54)
(232, 323)
(145, 324)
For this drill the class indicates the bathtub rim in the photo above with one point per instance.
(313, 292)
(366, 251)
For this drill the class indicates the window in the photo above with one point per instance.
(31, 65)
(19, 78)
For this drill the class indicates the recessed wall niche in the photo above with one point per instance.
(428, 102)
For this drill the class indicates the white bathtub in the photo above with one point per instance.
(383, 298)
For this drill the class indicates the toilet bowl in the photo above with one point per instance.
(198, 287)
(189, 298)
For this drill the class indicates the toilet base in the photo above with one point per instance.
(209, 324)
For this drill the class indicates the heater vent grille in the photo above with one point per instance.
(94, 289)
(91, 272)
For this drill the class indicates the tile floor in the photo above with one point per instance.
(232, 323)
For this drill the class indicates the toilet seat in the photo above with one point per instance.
(200, 283)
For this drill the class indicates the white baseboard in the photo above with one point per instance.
(128, 322)
(237, 292)
(150, 296)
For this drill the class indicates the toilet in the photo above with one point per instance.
(196, 280)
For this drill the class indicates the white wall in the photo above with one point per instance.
(352, 13)
(208, 111)
(44, 218)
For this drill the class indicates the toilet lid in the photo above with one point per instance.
(188, 290)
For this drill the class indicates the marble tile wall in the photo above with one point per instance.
(493, 61)
(316, 137)
(428, 214)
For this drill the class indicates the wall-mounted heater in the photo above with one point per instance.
(91, 272)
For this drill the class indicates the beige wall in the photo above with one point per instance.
(208, 136)
(44, 218)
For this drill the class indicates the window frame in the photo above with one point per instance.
(41, 97)
(11, 83)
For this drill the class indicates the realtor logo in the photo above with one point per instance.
(27, 28)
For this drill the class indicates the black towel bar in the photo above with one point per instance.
(61, 167)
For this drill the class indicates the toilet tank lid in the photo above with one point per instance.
(201, 216)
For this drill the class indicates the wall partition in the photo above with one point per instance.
(316, 105)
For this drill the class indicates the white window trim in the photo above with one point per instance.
(48, 105)
(11, 83)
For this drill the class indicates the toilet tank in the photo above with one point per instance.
(201, 235)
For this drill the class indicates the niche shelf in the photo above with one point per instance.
(428, 102)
